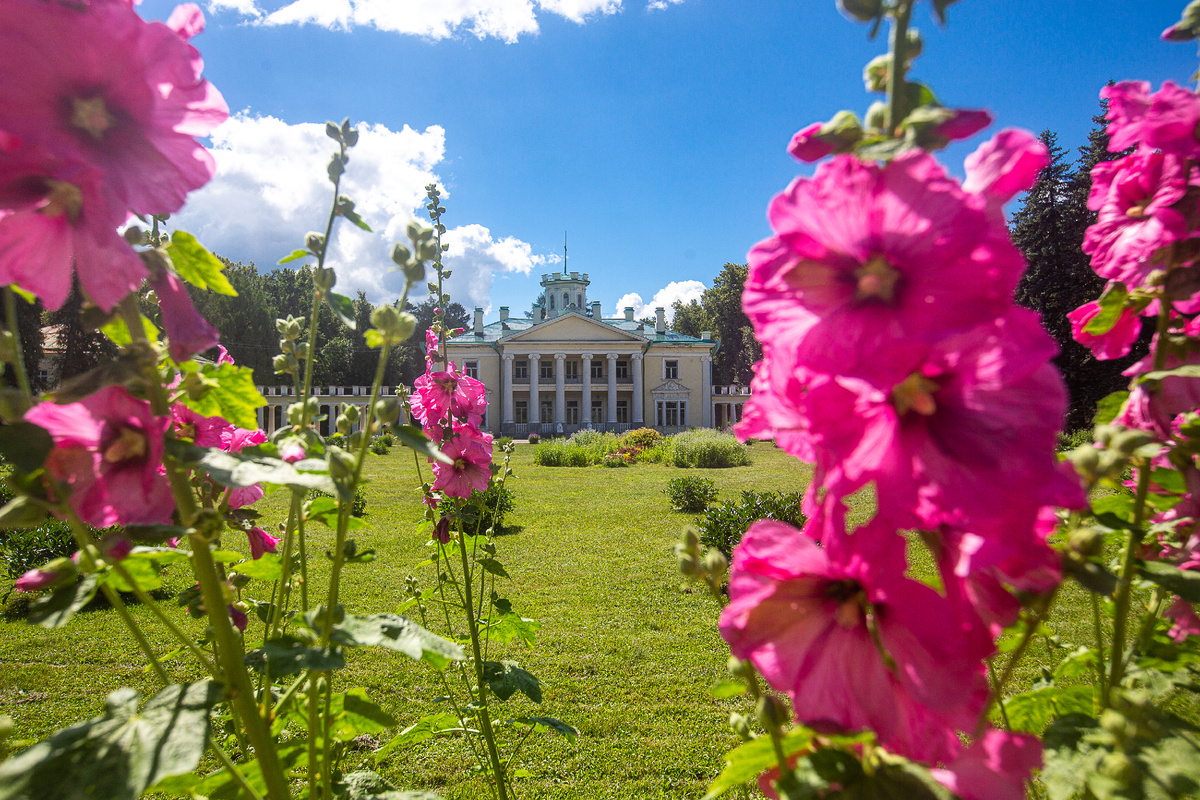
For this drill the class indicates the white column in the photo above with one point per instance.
(585, 405)
(706, 420)
(638, 413)
(560, 391)
(612, 388)
(535, 410)
(508, 388)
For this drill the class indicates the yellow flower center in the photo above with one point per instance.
(876, 278)
(915, 394)
(1136, 212)
(62, 199)
(129, 444)
(91, 116)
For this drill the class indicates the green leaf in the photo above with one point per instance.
(1091, 576)
(325, 511)
(1112, 305)
(392, 632)
(343, 308)
(229, 393)
(21, 512)
(1185, 371)
(357, 220)
(221, 786)
(354, 714)
(1031, 711)
(289, 656)
(237, 469)
(56, 609)
(367, 785)
(747, 761)
(25, 445)
(268, 567)
(1183, 582)
(492, 566)
(1171, 766)
(1108, 408)
(725, 689)
(1069, 755)
(423, 729)
(507, 628)
(118, 332)
(505, 679)
(412, 436)
(551, 724)
(295, 256)
(142, 570)
(118, 756)
(197, 266)
(374, 338)
(1076, 666)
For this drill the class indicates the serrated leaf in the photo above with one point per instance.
(229, 393)
(221, 786)
(296, 255)
(507, 628)
(551, 724)
(374, 338)
(290, 656)
(747, 761)
(492, 567)
(25, 445)
(1183, 582)
(142, 571)
(56, 609)
(343, 308)
(117, 756)
(197, 266)
(1108, 408)
(267, 567)
(240, 470)
(355, 714)
(1076, 665)
(505, 679)
(412, 436)
(1069, 756)
(1091, 576)
(392, 632)
(422, 730)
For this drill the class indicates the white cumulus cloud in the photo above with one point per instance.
(271, 188)
(506, 20)
(683, 291)
(659, 5)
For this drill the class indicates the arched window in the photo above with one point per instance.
(551, 302)
(579, 299)
(566, 300)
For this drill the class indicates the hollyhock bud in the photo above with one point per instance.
(292, 452)
(261, 542)
(861, 10)
(442, 531)
(324, 278)
(53, 574)
(822, 138)
(315, 242)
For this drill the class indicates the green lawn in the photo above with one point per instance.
(626, 651)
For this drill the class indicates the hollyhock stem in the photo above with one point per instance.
(991, 667)
(149, 602)
(283, 587)
(18, 364)
(896, 106)
(1037, 616)
(1101, 672)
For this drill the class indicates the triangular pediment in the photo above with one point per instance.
(670, 386)
(574, 327)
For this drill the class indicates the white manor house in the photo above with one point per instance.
(567, 367)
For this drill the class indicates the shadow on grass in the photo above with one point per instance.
(508, 530)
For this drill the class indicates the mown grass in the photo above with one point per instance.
(626, 651)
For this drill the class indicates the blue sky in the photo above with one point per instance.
(652, 133)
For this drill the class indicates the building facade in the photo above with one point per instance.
(566, 367)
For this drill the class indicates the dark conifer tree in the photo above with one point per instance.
(82, 349)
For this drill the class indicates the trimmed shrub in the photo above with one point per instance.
(487, 509)
(380, 447)
(691, 494)
(641, 438)
(386, 436)
(708, 449)
(584, 449)
(550, 454)
(502, 441)
(358, 509)
(724, 524)
(534, 438)
(617, 459)
(1069, 441)
(336, 439)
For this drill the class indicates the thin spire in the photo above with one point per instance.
(564, 253)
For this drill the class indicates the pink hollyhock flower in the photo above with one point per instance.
(1105, 346)
(995, 767)
(1136, 198)
(235, 439)
(223, 356)
(471, 452)
(55, 217)
(127, 99)
(869, 260)
(805, 146)
(1165, 120)
(1183, 615)
(187, 332)
(201, 430)
(802, 619)
(432, 343)
(1004, 165)
(439, 392)
(238, 617)
(1154, 406)
(969, 433)
(109, 452)
(261, 542)
(292, 452)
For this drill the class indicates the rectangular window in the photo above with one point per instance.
(597, 370)
(572, 412)
(571, 370)
(545, 370)
(521, 412)
(683, 413)
(521, 369)
(622, 369)
(597, 410)
(671, 417)
(623, 411)
(547, 412)
(471, 369)
(671, 369)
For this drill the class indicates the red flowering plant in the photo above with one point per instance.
(894, 359)
(162, 447)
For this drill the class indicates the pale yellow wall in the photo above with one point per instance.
(691, 375)
(489, 375)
